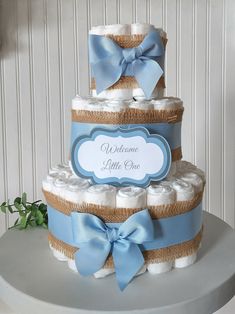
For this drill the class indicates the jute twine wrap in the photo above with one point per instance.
(129, 41)
(129, 116)
(153, 256)
(117, 215)
(128, 82)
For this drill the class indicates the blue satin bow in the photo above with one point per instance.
(109, 61)
(96, 241)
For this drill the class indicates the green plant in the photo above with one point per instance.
(30, 214)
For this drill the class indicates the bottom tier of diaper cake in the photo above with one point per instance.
(102, 229)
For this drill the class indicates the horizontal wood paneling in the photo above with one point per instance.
(44, 62)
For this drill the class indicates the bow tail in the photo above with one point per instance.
(91, 257)
(113, 71)
(128, 260)
(147, 73)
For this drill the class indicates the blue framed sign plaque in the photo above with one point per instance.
(121, 156)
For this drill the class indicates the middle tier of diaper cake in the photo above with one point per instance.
(125, 202)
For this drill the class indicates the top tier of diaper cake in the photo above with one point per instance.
(127, 61)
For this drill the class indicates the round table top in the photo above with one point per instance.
(33, 281)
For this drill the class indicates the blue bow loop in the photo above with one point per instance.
(109, 61)
(96, 241)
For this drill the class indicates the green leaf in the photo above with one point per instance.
(34, 209)
(39, 218)
(17, 200)
(23, 222)
(29, 217)
(3, 204)
(3, 209)
(42, 207)
(24, 198)
(10, 209)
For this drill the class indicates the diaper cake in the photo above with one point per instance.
(125, 203)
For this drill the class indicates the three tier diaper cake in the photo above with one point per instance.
(125, 203)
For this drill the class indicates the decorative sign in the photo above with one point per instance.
(121, 156)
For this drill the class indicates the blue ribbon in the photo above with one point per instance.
(96, 241)
(109, 61)
(170, 131)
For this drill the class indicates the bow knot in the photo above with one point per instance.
(109, 62)
(112, 234)
(96, 241)
(131, 54)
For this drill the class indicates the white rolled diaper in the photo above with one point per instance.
(131, 197)
(66, 173)
(81, 103)
(112, 29)
(97, 30)
(48, 183)
(172, 171)
(183, 166)
(75, 190)
(141, 28)
(72, 265)
(115, 93)
(115, 105)
(159, 194)
(184, 190)
(158, 92)
(194, 179)
(117, 29)
(167, 103)
(59, 255)
(185, 261)
(103, 272)
(94, 106)
(159, 268)
(56, 168)
(101, 194)
(141, 105)
(59, 187)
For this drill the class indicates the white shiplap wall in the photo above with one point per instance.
(44, 63)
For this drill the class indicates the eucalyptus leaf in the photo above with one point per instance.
(24, 199)
(40, 218)
(23, 222)
(42, 207)
(17, 200)
(10, 209)
(3, 209)
(34, 209)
